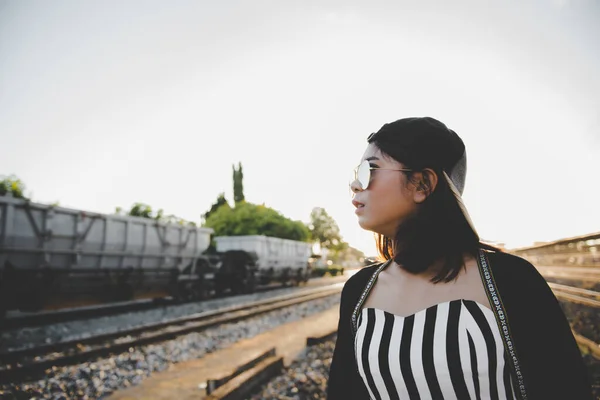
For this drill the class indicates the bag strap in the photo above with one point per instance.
(364, 294)
(489, 283)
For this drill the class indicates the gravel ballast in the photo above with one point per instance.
(306, 378)
(97, 379)
(34, 336)
(585, 320)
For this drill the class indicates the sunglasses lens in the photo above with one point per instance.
(363, 174)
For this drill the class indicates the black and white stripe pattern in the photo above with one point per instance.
(452, 350)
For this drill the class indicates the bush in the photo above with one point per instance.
(13, 185)
(252, 219)
(333, 270)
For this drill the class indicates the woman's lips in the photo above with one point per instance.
(359, 206)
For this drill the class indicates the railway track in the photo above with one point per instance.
(95, 311)
(19, 365)
(590, 345)
(78, 313)
(579, 296)
(102, 310)
(576, 295)
(591, 274)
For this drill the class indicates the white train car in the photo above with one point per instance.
(269, 259)
(47, 251)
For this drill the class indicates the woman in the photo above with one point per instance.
(446, 316)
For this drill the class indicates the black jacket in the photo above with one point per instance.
(547, 362)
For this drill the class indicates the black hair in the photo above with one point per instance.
(437, 231)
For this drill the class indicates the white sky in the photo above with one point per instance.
(106, 103)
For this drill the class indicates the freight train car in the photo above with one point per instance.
(49, 255)
(52, 257)
(251, 260)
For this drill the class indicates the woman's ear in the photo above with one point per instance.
(426, 183)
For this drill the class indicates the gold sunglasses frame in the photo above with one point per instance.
(371, 169)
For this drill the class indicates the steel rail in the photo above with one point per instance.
(578, 299)
(79, 313)
(572, 294)
(590, 345)
(591, 270)
(574, 290)
(573, 273)
(100, 310)
(576, 295)
(16, 368)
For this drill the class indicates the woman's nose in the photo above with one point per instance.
(355, 186)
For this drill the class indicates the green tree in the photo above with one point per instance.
(238, 184)
(221, 201)
(252, 219)
(13, 185)
(141, 210)
(324, 229)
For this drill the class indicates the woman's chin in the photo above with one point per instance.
(364, 223)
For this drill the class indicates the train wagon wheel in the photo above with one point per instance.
(238, 285)
(4, 300)
(219, 291)
(307, 272)
(287, 277)
(31, 301)
(299, 277)
(182, 293)
(250, 284)
(35, 295)
(200, 291)
(123, 292)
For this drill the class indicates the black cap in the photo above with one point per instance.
(425, 142)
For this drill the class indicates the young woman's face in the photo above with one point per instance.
(389, 198)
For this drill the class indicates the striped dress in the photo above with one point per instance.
(452, 350)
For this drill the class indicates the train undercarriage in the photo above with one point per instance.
(233, 272)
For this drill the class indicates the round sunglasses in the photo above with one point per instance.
(362, 174)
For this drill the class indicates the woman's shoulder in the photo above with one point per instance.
(508, 262)
(359, 280)
(510, 268)
(354, 287)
